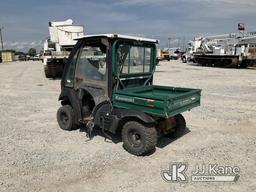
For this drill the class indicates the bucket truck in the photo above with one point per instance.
(58, 46)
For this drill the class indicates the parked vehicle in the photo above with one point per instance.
(163, 55)
(58, 46)
(108, 84)
(173, 53)
(35, 58)
(228, 50)
(22, 58)
(188, 55)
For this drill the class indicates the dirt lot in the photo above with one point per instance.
(36, 155)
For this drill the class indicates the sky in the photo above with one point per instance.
(25, 23)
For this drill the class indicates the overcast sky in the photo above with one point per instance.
(26, 22)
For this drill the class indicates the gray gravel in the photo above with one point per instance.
(36, 155)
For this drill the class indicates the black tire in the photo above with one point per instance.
(65, 118)
(180, 127)
(138, 139)
(53, 70)
(60, 70)
(243, 65)
(47, 72)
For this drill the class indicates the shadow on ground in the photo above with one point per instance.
(162, 142)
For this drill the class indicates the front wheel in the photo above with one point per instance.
(138, 139)
(47, 72)
(66, 118)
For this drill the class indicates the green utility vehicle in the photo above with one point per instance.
(108, 84)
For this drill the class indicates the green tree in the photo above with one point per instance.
(32, 52)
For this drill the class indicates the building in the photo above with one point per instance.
(7, 56)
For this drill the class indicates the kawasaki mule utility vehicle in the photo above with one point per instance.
(108, 84)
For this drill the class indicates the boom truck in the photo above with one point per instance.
(58, 46)
(227, 50)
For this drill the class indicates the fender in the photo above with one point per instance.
(120, 116)
(69, 95)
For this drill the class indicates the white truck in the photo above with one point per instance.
(227, 50)
(58, 46)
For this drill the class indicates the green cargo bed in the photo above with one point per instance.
(158, 100)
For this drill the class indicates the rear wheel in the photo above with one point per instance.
(66, 118)
(47, 72)
(138, 139)
(180, 127)
(55, 69)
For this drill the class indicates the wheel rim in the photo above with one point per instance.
(134, 138)
(64, 118)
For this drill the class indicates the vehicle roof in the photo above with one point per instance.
(118, 36)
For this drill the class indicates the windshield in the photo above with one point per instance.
(133, 59)
(91, 64)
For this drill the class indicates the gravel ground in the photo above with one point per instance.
(36, 155)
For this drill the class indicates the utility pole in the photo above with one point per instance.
(169, 42)
(1, 37)
(183, 43)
